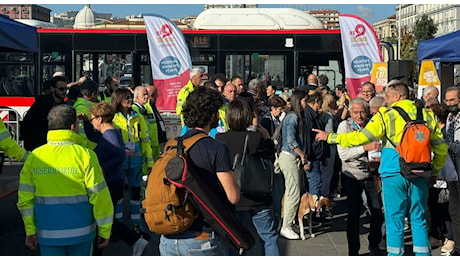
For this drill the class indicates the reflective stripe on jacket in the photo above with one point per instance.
(152, 127)
(9, 145)
(388, 123)
(138, 134)
(62, 193)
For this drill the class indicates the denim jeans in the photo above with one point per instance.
(328, 171)
(263, 221)
(314, 179)
(191, 246)
(400, 196)
(354, 189)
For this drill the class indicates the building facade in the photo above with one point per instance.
(446, 17)
(330, 18)
(25, 11)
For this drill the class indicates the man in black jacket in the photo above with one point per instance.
(34, 126)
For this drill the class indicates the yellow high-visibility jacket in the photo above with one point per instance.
(138, 134)
(9, 146)
(82, 106)
(387, 123)
(181, 97)
(62, 193)
(153, 130)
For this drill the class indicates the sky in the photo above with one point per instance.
(371, 13)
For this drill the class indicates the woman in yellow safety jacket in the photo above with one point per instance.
(138, 151)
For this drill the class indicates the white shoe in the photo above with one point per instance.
(139, 247)
(448, 247)
(288, 233)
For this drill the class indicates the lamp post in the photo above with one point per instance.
(399, 33)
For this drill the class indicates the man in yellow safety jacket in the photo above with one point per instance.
(399, 193)
(195, 78)
(142, 107)
(89, 91)
(63, 197)
(9, 145)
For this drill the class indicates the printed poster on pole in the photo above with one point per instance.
(169, 58)
(429, 76)
(361, 48)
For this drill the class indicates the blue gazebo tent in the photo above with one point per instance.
(446, 51)
(16, 36)
(446, 48)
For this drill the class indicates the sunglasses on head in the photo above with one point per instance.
(128, 97)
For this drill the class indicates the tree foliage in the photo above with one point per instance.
(424, 29)
(408, 45)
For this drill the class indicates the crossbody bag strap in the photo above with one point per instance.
(245, 146)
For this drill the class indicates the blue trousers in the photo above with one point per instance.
(263, 221)
(82, 249)
(401, 198)
(314, 179)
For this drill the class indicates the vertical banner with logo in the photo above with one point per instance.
(429, 76)
(361, 48)
(380, 75)
(169, 59)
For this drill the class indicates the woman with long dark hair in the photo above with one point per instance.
(292, 160)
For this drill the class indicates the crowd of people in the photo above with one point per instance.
(328, 142)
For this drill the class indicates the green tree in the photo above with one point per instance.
(424, 29)
(408, 45)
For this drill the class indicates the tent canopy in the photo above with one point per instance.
(445, 47)
(16, 36)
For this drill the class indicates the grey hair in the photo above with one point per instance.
(377, 101)
(360, 101)
(254, 83)
(61, 117)
(429, 90)
(137, 90)
(195, 71)
(454, 88)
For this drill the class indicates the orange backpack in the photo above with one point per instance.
(415, 147)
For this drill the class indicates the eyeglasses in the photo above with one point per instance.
(91, 120)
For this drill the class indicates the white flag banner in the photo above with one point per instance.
(169, 59)
(361, 48)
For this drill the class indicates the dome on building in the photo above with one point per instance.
(85, 18)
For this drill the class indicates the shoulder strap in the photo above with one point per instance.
(385, 129)
(187, 143)
(403, 113)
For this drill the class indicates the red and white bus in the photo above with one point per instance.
(249, 52)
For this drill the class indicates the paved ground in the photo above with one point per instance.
(329, 241)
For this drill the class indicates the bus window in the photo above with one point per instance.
(17, 75)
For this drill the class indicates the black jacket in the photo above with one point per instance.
(34, 126)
